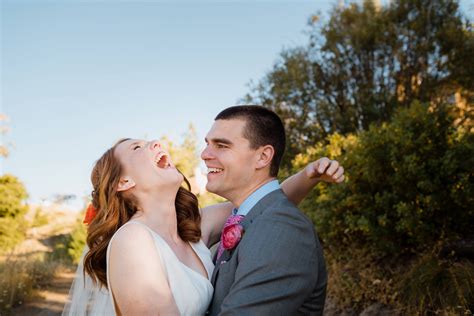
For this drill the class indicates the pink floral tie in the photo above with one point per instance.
(231, 220)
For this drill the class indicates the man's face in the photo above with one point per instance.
(229, 159)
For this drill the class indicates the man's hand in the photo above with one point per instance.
(325, 169)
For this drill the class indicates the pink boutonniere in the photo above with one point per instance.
(232, 235)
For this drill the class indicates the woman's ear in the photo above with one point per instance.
(125, 183)
(265, 156)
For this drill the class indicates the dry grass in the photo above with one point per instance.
(421, 285)
(31, 267)
(20, 277)
(438, 286)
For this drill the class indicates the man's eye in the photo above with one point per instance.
(221, 146)
(136, 147)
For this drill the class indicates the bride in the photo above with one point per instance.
(149, 242)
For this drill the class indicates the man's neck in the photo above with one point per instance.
(243, 195)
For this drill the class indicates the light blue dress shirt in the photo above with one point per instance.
(256, 196)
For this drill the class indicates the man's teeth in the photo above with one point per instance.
(212, 170)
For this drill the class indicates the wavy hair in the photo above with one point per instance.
(115, 208)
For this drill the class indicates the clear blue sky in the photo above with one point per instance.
(78, 75)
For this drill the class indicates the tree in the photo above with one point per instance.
(392, 231)
(185, 155)
(12, 209)
(410, 185)
(12, 197)
(366, 62)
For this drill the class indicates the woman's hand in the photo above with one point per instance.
(300, 184)
(326, 170)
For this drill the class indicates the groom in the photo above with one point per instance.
(270, 260)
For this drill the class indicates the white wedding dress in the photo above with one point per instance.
(192, 291)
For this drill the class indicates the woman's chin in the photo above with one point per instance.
(177, 180)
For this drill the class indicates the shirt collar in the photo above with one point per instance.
(256, 196)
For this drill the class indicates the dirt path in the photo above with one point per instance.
(49, 301)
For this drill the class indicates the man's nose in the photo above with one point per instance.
(206, 153)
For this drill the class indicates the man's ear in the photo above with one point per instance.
(125, 183)
(265, 156)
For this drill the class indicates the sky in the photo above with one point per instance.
(78, 75)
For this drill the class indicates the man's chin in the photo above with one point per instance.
(212, 188)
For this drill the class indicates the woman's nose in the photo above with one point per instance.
(154, 144)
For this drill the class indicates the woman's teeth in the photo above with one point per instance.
(161, 160)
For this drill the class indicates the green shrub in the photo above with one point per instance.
(409, 191)
(12, 209)
(409, 183)
(12, 197)
(12, 232)
(60, 249)
(77, 242)
(68, 248)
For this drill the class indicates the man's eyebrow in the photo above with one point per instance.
(219, 140)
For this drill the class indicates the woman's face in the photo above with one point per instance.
(146, 166)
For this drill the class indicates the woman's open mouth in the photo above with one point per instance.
(162, 160)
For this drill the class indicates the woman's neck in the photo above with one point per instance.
(159, 214)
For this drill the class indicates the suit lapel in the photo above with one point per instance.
(214, 275)
(226, 254)
(246, 222)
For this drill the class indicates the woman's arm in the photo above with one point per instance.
(296, 188)
(143, 289)
(213, 218)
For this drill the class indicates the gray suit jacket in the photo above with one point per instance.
(277, 268)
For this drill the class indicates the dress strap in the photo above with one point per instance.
(140, 223)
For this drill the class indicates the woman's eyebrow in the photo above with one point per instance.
(134, 143)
